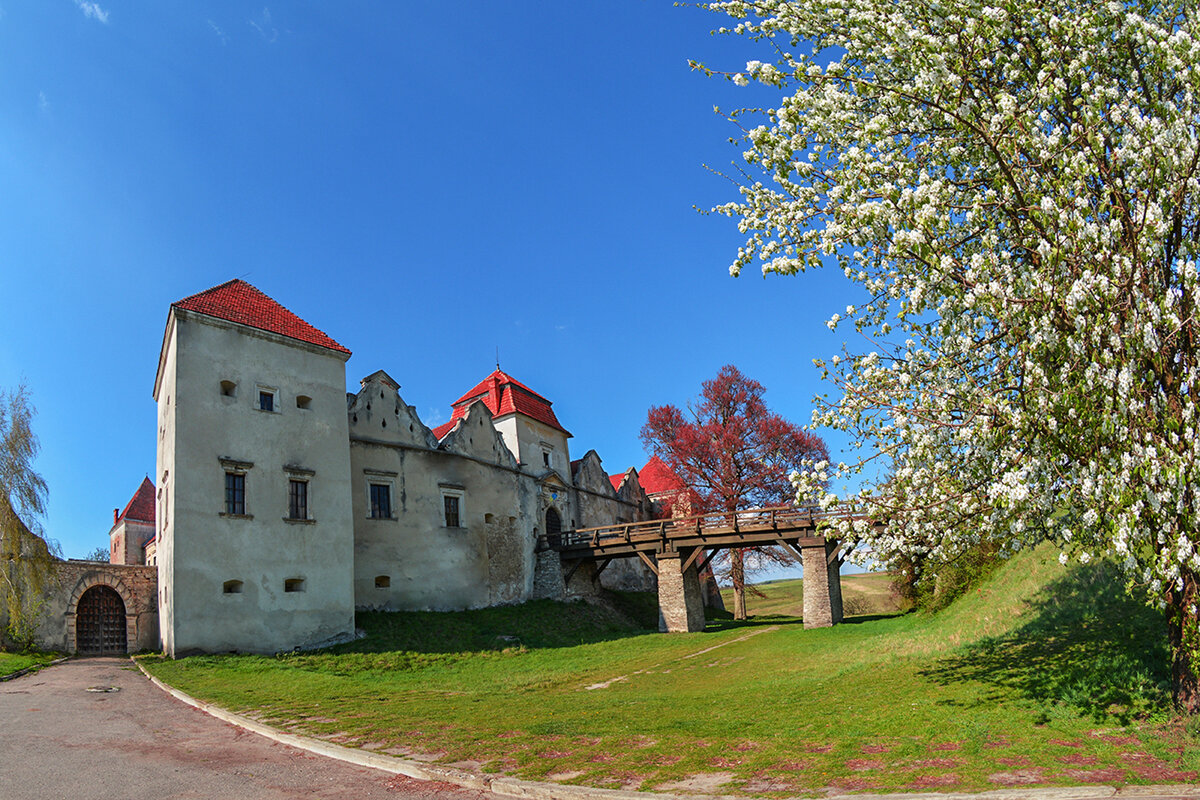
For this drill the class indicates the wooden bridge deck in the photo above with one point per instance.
(797, 527)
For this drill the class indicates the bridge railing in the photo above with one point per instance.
(752, 519)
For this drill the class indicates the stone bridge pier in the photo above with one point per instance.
(681, 604)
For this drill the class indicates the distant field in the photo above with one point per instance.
(1043, 676)
(866, 593)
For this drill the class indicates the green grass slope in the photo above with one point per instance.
(1040, 676)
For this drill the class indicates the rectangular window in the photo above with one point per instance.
(266, 401)
(235, 493)
(381, 501)
(450, 502)
(297, 499)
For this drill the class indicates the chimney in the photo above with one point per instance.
(116, 515)
(494, 395)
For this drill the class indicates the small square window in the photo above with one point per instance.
(451, 507)
(232, 587)
(293, 585)
(381, 501)
(266, 401)
(297, 499)
(235, 493)
(383, 581)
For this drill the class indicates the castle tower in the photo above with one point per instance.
(533, 434)
(133, 527)
(255, 542)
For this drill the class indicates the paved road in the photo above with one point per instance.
(58, 740)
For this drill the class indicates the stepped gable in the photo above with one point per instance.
(503, 395)
(238, 301)
(141, 505)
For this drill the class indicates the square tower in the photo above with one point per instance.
(255, 541)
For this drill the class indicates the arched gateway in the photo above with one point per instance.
(100, 626)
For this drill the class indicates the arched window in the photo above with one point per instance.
(553, 522)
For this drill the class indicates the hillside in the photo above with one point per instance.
(866, 593)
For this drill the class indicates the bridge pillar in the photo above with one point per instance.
(822, 586)
(680, 602)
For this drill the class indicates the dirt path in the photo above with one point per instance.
(60, 740)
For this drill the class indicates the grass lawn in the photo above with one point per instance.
(12, 662)
(1043, 676)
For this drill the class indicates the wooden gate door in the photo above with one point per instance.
(100, 622)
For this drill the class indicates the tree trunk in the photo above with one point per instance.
(737, 571)
(1183, 635)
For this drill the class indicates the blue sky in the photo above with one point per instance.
(425, 182)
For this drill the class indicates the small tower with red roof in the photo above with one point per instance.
(133, 527)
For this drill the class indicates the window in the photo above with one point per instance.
(303, 401)
(382, 581)
(235, 493)
(450, 503)
(228, 389)
(297, 499)
(232, 587)
(266, 400)
(453, 512)
(381, 501)
(293, 585)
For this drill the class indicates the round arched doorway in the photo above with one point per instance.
(100, 622)
(553, 522)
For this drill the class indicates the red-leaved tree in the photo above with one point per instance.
(731, 452)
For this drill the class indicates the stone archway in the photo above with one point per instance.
(101, 626)
(553, 522)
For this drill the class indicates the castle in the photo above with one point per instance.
(283, 503)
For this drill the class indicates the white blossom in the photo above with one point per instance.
(1025, 233)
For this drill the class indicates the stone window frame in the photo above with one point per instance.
(459, 493)
(547, 455)
(304, 475)
(232, 466)
(380, 477)
(262, 389)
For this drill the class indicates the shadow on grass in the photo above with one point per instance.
(1087, 645)
(533, 625)
(726, 622)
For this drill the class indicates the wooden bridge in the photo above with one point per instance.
(678, 549)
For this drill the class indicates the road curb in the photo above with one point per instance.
(534, 790)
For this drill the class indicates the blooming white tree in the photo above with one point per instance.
(1014, 187)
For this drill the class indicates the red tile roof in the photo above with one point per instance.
(441, 430)
(238, 301)
(503, 395)
(615, 480)
(657, 478)
(141, 505)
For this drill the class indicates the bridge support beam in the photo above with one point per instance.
(680, 603)
(822, 586)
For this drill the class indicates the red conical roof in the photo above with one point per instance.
(141, 505)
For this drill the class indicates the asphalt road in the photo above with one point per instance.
(60, 740)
